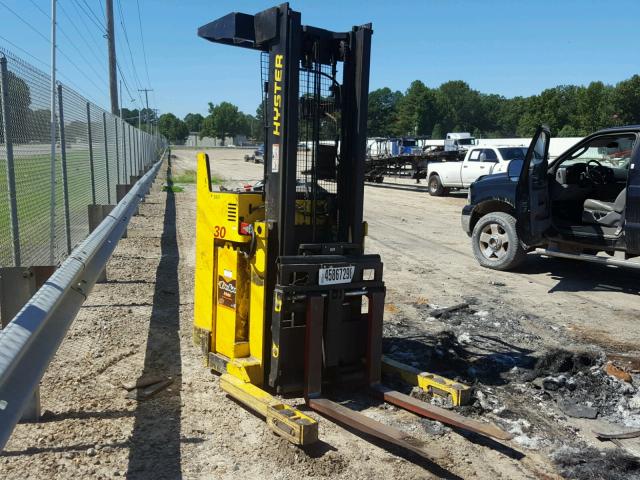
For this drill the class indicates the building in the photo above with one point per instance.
(194, 140)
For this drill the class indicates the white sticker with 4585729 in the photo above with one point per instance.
(334, 275)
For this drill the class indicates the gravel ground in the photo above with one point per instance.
(510, 343)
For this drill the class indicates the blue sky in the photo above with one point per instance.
(505, 47)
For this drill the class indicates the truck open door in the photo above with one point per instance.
(532, 194)
(632, 208)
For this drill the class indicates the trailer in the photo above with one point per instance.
(410, 156)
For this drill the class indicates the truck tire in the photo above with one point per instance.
(495, 242)
(436, 189)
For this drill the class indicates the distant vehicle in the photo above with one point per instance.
(409, 156)
(453, 148)
(457, 141)
(257, 157)
(585, 202)
(479, 161)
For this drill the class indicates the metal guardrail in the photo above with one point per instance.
(31, 339)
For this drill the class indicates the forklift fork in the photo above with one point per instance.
(357, 420)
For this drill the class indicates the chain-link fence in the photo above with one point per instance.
(46, 187)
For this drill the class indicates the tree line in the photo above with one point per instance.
(224, 120)
(569, 110)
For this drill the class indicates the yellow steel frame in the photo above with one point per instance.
(229, 301)
(459, 393)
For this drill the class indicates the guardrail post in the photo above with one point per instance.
(123, 188)
(65, 180)
(11, 174)
(17, 286)
(140, 155)
(135, 168)
(91, 165)
(115, 123)
(106, 155)
(124, 150)
(97, 213)
(130, 154)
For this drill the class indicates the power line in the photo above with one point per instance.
(124, 67)
(25, 52)
(71, 41)
(25, 22)
(82, 36)
(82, 72)
(122, 77)
(93, 13)
(90, 17)
(40, 8)
(102, 9)
(126, 37)
(67, 80)
(90, 31)
(144, 52)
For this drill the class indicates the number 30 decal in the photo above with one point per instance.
(219, 232)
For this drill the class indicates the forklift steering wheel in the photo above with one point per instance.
(597, 173)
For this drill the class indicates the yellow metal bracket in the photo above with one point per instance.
(284, 420)
(458, 393)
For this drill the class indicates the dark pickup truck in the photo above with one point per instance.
(584, 202)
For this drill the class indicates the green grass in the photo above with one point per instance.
(172, 188)
(189, 176)
(32, 173)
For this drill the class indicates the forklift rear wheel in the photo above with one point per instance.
(496, 243)
(436, 189)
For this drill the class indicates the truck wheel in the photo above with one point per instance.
(435, 186)
(495, 242)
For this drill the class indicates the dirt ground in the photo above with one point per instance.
(531, 342)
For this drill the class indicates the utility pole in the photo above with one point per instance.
(120, 99)
(52, 199)
(111, 43)
(146, 96)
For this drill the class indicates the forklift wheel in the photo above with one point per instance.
(496, 243)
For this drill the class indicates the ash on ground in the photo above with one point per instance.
(519, 382)
(588, 464)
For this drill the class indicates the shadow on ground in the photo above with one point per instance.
(488, 359)
(155, 441)
(580, 276)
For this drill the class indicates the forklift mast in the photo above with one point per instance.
(315, 90)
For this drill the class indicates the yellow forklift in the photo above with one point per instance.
(286, 300)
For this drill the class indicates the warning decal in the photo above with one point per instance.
(275, 158)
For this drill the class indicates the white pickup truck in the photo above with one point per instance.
(480, 160)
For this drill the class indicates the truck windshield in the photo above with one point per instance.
(466, 141)
(513, 153)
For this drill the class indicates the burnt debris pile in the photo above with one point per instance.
(584, 385)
